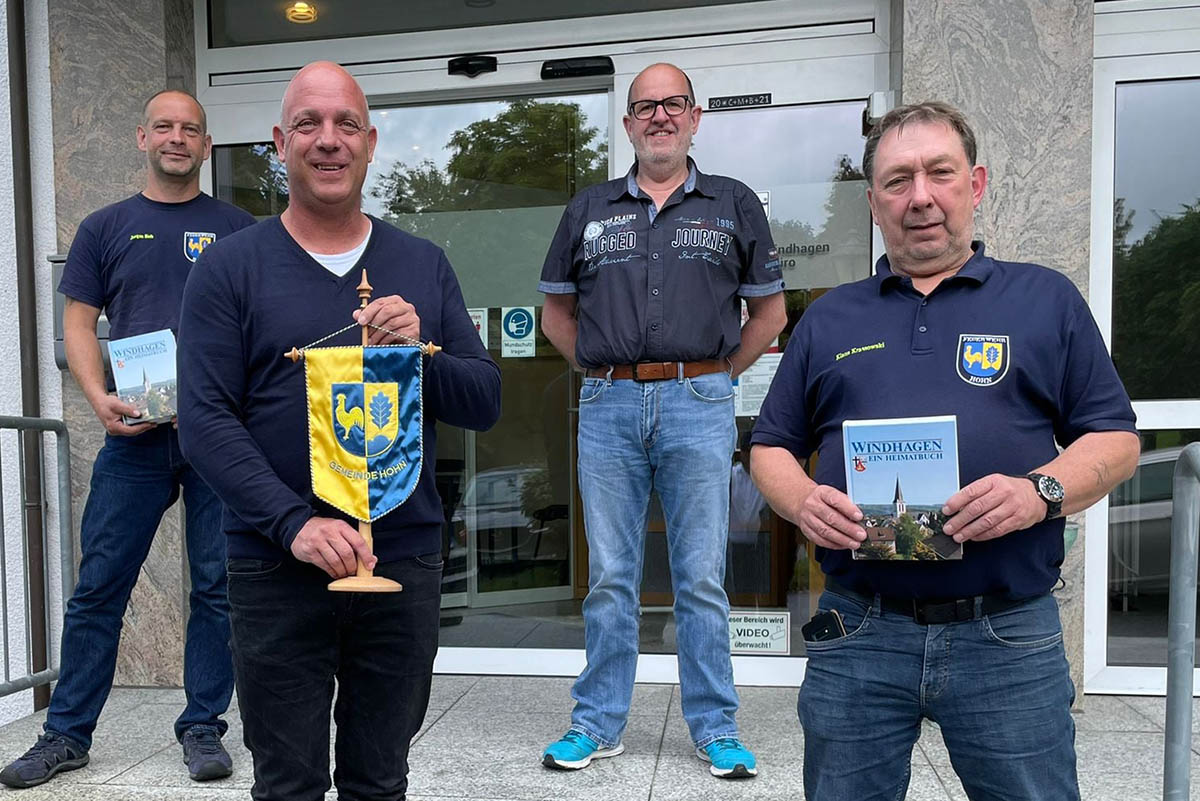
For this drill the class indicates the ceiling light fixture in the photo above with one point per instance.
(301, 13)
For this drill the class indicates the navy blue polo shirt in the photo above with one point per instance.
(132, 258)
(877, 348)
(661, 284)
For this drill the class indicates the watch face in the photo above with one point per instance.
(1049, 488)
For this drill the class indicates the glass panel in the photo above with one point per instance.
(250, 176)
(1139, 552)
(1156, 234)
(815, 196)
(233, 23)
(816, 203)
(488, 181)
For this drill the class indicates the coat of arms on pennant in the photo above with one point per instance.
(364, 426)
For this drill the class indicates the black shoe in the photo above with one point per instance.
(206, 758)
(51, 754)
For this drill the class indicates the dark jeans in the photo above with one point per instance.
(134, 481)
(292, 638)
(998, 687)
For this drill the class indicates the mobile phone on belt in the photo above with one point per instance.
(824, 626)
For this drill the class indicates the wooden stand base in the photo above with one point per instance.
(364, 584)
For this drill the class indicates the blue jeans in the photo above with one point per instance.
(998, 687)
(292, 638)
(678, 437)
(134, 481)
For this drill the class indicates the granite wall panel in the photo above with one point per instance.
(106, 58)
(1021, 70)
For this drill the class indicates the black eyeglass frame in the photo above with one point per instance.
(687, 101)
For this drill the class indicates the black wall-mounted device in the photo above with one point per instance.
(576, 67)
(471, 66)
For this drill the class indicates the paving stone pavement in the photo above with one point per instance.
(483, 736)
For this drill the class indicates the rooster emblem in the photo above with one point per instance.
(347, 418)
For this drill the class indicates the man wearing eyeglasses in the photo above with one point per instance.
(644, 283)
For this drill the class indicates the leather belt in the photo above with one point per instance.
(660, 371)
(934, 611)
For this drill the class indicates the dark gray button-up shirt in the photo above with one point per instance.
(661, 284)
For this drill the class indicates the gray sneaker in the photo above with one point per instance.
(51, 754)
(204, 755)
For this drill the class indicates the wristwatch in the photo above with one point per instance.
(1050, 490)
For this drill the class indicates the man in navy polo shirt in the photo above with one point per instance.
(644, 282)
(289, 281)
(975, 645)
(131, 260)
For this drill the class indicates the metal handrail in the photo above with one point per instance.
(65, 540)
(1181, 625)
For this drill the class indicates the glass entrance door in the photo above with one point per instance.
(487, 180)
(804, 161)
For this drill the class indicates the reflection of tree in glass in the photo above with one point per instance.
(259, 181)
(533, 153)
(1156, 313)
(847, 216)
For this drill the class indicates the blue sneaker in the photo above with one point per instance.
(729, 759)
(576, 750)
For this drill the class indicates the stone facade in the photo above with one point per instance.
(1021, 71)
(106, 58)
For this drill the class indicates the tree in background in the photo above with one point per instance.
(1156, 314)
(533, 153)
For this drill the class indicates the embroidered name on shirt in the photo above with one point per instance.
(609, 243)
(860, 349)
(702, 238)
(140, 236)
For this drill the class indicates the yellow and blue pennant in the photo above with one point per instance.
(364, 426)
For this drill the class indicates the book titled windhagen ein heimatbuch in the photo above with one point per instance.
(143, 369)
(900, 472)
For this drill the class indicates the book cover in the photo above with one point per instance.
(900, 472)
(143, 369)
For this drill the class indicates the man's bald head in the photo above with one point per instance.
(322, 77)
(661, 67)
(174, 92)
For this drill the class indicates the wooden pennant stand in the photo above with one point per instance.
(364, 580)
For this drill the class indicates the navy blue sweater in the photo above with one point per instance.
(242, 412)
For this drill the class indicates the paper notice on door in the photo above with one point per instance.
(752, 385)
(479, 318)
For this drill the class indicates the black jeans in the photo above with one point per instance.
(292, 638)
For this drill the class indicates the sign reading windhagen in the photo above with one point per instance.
(900, 472)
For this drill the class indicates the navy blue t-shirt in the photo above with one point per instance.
(243, 415)
(661, 284)
(877, 348)
(132, 259)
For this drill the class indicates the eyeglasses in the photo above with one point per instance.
(309, 126)
(673, 105)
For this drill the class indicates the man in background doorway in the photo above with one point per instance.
(644, 283)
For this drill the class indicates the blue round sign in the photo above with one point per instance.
(518, 323)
